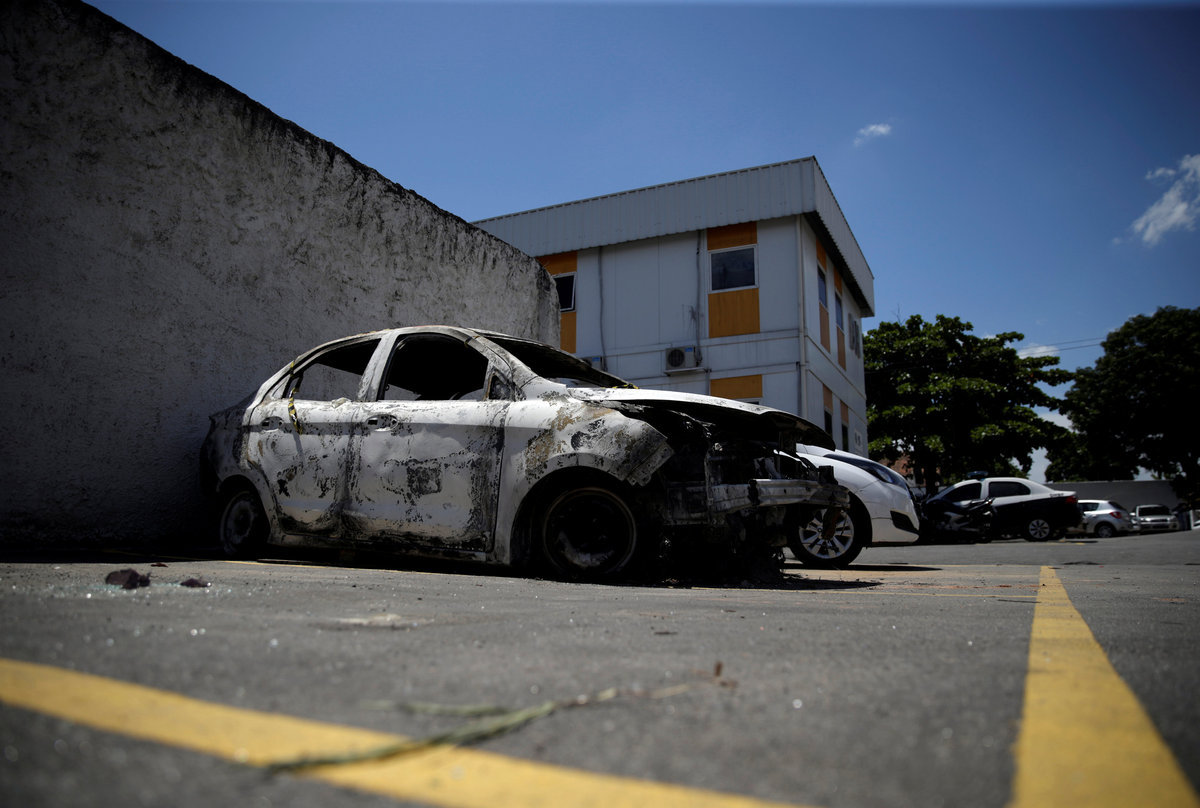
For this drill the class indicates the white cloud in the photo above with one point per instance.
(1178, 208)
(875, 130)
(1037, 350)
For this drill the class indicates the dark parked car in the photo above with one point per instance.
(469, 444)
(1020, 508)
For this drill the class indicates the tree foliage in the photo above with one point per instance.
(952, 402)
(1136, 407)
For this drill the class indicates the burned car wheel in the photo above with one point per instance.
(588, 533)
(243, 527)
(850, 535)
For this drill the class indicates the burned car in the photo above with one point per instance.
(468, 444)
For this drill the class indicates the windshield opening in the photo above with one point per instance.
(557, 366)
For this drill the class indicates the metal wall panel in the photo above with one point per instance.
(794, 188)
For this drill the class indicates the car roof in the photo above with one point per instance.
(1033, 486)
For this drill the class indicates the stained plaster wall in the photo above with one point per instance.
(165, 244)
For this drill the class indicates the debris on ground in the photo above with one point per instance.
(195, 583)
(496, 721)
(127, 579)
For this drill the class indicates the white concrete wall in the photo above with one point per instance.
(165, 243)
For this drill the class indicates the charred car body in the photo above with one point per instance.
(469, 444)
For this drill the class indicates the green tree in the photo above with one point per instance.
(952, 402)
(1136, 407)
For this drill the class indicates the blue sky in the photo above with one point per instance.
(1026, 167)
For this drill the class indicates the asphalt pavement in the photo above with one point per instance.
(921, 676)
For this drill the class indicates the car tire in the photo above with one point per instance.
(1105, 531)
(242, 527)
(588, 533)
(1038, 529)
(852, 534)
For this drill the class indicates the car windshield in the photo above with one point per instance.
(1154, 510)
(877, 470)
(962, 492)
(557, 366)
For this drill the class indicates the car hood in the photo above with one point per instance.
(709, 408)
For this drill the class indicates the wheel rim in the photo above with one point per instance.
(1039, 529)
(241, 523)
(1104, 530)
(589, 531)
(833, 547)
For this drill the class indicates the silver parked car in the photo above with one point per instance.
(1105, 518)
(470, 444)
(1155, 519)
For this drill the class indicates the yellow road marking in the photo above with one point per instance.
(442, 776)
(1085, 739)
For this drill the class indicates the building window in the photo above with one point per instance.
(855, 338)
(566, 292)
(839, 315)
(733, 269)
(823, 299)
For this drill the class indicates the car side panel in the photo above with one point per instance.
(427, 472)
(301, 454)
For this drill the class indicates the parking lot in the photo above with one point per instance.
(1009, 673)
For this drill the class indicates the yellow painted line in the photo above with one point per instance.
(1085, 738)
(442, 776)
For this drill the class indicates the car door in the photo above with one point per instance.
(1014, 503)
(300, 436)
(426, 465)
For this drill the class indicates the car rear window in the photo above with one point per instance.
(1007, 488)
(964, 492)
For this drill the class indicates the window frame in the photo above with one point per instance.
(562, 276)
(712, 287)
(291, 386)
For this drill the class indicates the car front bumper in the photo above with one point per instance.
(725, 498)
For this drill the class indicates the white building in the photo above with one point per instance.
(748, 285)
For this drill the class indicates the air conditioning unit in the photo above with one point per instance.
(683, 358)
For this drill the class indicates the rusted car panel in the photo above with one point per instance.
(449, 441)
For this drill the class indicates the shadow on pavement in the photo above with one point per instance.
(792, 579)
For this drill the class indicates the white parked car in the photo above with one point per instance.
(881, 511)
(1155, 519)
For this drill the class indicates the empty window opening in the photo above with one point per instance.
(336, 373)
(434, 368)
(566, 292)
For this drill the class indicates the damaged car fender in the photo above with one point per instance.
(552, 436)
